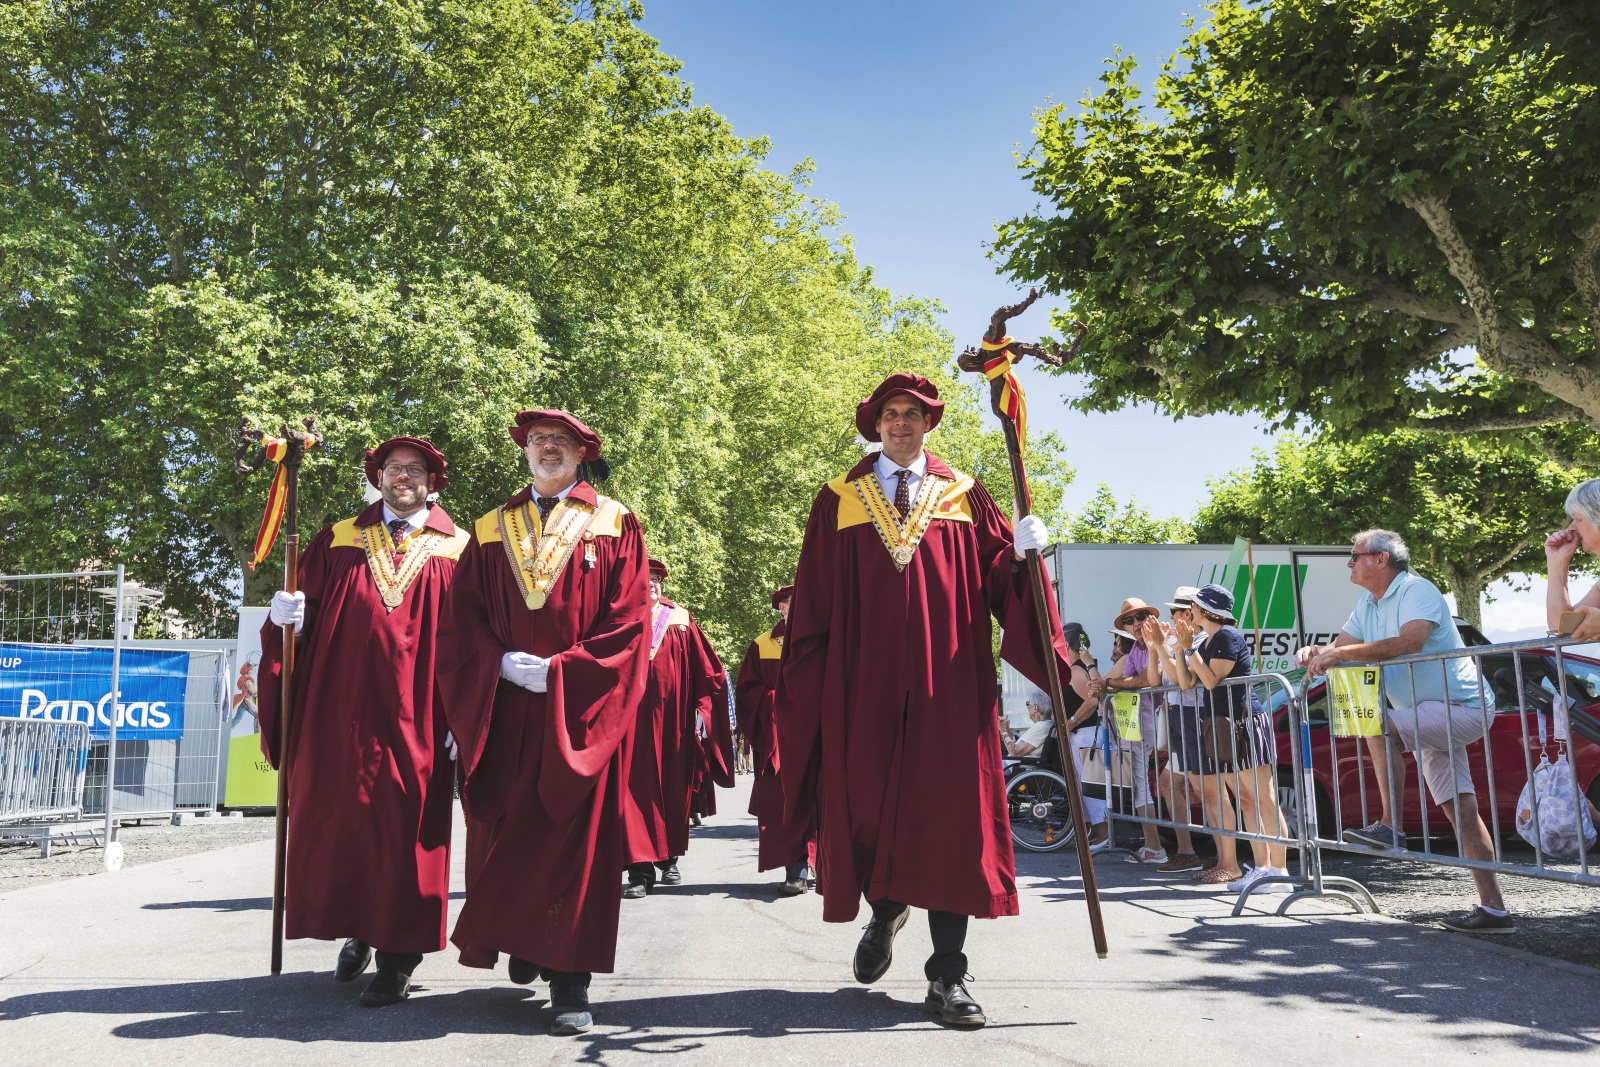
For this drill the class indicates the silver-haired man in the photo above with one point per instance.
(1435, 714)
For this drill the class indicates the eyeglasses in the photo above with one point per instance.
(1357, 555)
(395, 470)
(560, 440)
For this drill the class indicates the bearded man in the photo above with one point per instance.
(790, 845)
(887, 709)
(682, 690)
(370, 794)
(546, 652)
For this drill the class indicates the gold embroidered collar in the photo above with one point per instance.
(539, 552)
(416, 547)
(901, 538)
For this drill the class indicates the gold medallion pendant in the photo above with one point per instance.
(901, 538)
(539, 551)
(416, 549)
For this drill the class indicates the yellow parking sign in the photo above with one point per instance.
(1355, 708)
(1126, 708)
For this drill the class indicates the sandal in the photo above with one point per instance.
(1219, 876)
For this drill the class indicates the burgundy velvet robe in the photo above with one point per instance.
(543, 772)
(782, 843)
(370, 784)
(684, 678)
(887, 708)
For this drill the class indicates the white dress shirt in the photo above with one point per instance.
(413, 521)
(533, 493)
(885, 469)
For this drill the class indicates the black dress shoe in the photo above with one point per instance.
(570, 1001)
(634, 890)
(353, 959)
(949, 997)
(694, 820)
(388, 986)
(793, 887)
(876, 950)
(670, 875)
(521, 972)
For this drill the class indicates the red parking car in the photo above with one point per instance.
(1511, 752)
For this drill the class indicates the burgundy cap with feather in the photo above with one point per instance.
(376, 457)
(586, 437)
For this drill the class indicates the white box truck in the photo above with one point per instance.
(1302, 594)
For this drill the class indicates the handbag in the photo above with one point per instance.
(1562, 813)
(1224, 742)
(1098, 779)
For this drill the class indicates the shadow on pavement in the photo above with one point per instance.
(308, 1006)
(239, 904)
(1339, 960)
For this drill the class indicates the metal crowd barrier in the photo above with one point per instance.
(1160, 763)
(42, 771)
(1506, 696)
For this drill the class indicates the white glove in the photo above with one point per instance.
(288, 609)
(524, 669)
(450, 745)
(1029, 533)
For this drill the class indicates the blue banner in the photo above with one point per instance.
(65, 683)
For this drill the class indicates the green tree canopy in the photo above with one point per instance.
(1103, 521)
(1365, 214)
(1472, 509)
(415, 217)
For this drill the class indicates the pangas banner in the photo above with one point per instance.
(67, 683)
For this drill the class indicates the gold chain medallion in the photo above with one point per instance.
(537, 552)
(901, 538)
(392, 582)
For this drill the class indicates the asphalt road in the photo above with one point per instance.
(166, 963)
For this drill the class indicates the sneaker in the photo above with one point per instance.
(1378, 835)
(1276, 887)
(1182, 861)
(1478, 921)
(1247, 879)
(1147, 855)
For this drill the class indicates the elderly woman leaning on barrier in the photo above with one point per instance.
(1248, 761)
(1436, 713)
(1583, 508)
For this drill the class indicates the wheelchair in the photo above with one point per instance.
(1037, 799)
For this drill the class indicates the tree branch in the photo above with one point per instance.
(1459, 260)
(1583, 275)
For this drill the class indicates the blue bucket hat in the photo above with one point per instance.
(1217, 600)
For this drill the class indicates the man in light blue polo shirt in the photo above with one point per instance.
(1435, 711)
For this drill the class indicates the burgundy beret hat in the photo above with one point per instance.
(586, 437)
(783, 593)
(658, 570)
(376, 457)
(912, 385)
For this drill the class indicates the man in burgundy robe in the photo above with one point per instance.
(544, 653)
(684, 680)
(790, 845)
(370, 779)
(887, 696)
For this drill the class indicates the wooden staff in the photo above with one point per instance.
(298, 442)
(974, 360)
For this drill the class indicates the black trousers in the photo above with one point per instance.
(949, 933)
(404, 962)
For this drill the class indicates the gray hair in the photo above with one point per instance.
(1386, 541)
(1040, 699)
(1585, 500)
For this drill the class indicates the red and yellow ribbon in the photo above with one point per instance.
(277, 500)
(1012, 402)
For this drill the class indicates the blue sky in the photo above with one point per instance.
(913, 114)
